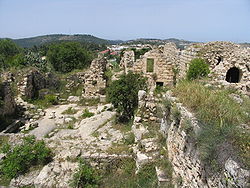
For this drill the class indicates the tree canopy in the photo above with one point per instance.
(68, 56)
(10, 54)
(123, 93)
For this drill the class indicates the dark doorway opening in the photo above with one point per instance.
(159, 84)
(233, 75)
(219, 59)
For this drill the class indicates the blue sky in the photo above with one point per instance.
(196, 20)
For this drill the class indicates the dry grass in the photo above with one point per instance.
(220, 117)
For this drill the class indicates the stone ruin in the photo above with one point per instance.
(157, 64)
(95, 82)
(7, 103)
(229, 64)
(34, 81)
(127, 60)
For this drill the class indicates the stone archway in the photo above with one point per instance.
(233, 75)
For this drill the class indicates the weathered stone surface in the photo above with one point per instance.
(7, 101)
(73, 99)
(165, 59)
(240, 176)
(34, 81)
(95, 81)
(221, 57)
(184, 155)
(127, 60)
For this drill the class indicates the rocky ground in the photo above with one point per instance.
(70, 136)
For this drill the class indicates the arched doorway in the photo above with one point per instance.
(233, 75)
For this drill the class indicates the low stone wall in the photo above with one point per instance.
(184, 155)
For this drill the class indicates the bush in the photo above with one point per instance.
(87, 114)
(197, 69)
(123, 94)
(51, 99)
(70, 110)
(22, 157)
(84, 176)
(68, 56)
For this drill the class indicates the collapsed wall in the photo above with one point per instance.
(157, 64)
(229, 63)
(34, 81)
(7, 101)
(189, 171)
(95, 81)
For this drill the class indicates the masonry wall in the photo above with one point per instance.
(165, 60)
(184, 155)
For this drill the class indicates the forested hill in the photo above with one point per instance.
(40, 40)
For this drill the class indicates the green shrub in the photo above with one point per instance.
(130, 139)
(51, 99)
(22, 157)
(84, 176)
(123, 94)
(70, 110)
(197, 69)
(87, 113)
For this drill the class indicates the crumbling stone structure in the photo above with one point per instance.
(229, 63)
(157, 64)
(34, 81)
(127, 60)
(95, 81)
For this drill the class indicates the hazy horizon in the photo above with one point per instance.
(195, 20)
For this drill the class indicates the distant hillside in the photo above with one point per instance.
(40, 40)
(179, 43)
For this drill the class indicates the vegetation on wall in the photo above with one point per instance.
(198, 68)
(220, 118)
(123, 93)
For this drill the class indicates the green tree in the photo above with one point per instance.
(8, 48)
(68, 56)
(10, 54)
(198, 68)
(123, 93)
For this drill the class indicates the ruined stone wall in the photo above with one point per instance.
(165, 60)
(34, 81)
(221, 56)
(185, 57)
(95, 81)
(7, 103)
(184, 156)
(127, 60)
